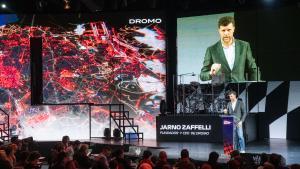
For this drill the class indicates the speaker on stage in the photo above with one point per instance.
(107, 133)
(36, 70)
(163, 107)
(117, 134)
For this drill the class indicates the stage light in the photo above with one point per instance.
(3, 6)
(67, 4)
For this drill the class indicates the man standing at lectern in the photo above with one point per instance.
(229, 57)
(236, 108)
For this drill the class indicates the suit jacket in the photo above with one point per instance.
(243, 63)
(239, 111)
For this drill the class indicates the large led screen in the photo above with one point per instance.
(97, 59)
(265, 48)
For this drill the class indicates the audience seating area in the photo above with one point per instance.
(66, 154)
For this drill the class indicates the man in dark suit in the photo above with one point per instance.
(229, 57)
(236, 108)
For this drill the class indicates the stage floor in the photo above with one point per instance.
(290, 150)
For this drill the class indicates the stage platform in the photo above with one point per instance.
(290, 150)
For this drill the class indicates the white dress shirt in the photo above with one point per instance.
(230, 54)
(233, 104)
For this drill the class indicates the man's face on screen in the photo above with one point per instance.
(226, 33)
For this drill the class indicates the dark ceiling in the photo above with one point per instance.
(179, 6)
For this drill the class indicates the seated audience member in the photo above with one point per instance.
(295, 166)
(76, 145)
(22, 160)
(66, 143)
(70, 163)
(212, 162)
(102, 160)
(146, 159)
(145, 166)
(33, 161)
(10, 151)
(234, 164)
(82, 159)
(122, 163)
(59, 161)
(277, 161)
(162, 160)
(236, 160)
(154, 159)
(206, 166)
(28, 144)
(185, 161)
(59, 147)
(113, 164)
(263, 159)
(268, 165)
(4, 163)
(167, 167)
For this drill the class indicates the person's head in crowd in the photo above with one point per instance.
(33, 158)
(3, 155)
(166, 166)
(234, 164)
(145, 166)
(59, 147)
(206, 166)
(147, 154)
(106, 151)
(28, 140)
(235, 154)
(295, 166)
(14, 139)
(83, 150)
(263, 158)
(119, 153)
(163, 156)
(23, 157)
(65, 140)
(268, 165)
(184, 153)
(275, 159)
(9, 150)
(154, 159)
(213, 157)
(76, 145)
(113, 164)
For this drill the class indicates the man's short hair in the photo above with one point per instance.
(184, 153)
(231, 92)
(226, 20)
(147, 154)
